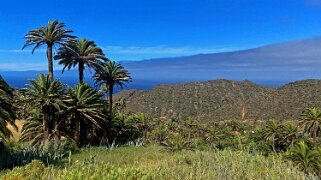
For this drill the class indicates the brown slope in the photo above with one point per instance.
(225, 99)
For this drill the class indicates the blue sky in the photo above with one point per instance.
(143, 29)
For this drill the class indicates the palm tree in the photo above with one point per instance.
(7, 114)
(84, 107)
(289, 134)
(111, 74)
(32, 130)
(83, 53)
(305, 159)
(50, 35)
(311, 121)
(271, 132)
(46, 96)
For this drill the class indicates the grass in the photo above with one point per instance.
(144, 157)
(154, 162)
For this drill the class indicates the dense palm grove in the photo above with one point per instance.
(59, 119)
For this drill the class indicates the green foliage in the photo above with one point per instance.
(33, 170)
(7, 114)
(154, 163)
(51, 35)
(306, 159)
(111, 74)
(279, 137)
(82, 52)
(176, 142)
(18, 154)
(311, 121)
(84, 110)
(76, 114)
(46, 98)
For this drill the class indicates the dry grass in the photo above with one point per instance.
(16, 134)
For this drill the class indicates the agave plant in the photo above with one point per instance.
(7, 114)
(83, 53)
(311, 121)
(85, 109)
(305, 159)
(50, 35)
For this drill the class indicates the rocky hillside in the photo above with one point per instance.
(224, 99)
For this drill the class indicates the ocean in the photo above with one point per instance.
(17, 81)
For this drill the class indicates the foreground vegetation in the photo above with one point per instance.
(155, 162)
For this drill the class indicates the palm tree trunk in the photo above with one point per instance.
(83, 131)
(50, 63)
(56, 129)
(45, 125)
(77, 130)
(315, 134)
(81, 71)
(111, 91)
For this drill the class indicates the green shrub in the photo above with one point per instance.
(33, 170)
(305, 158)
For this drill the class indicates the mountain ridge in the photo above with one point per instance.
(225, 99)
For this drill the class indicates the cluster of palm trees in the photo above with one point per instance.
(301, 141)
(74, 52)
(282, 136)
(55, 111)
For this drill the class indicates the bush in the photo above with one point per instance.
(33, 170)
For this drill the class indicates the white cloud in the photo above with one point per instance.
(22, 66)
(162, 50)
(20, 50)
(149, 50)
(117, 52)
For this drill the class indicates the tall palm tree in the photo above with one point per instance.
(84, 107)
(7, 114)
(311, 121)
(305, 159)
(50, 35)
(46, 96)
(83, 53)
(111, 74)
